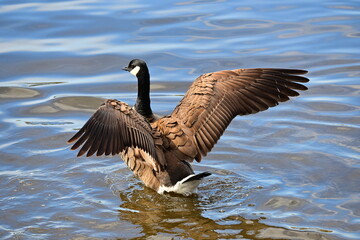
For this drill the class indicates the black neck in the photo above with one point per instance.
(142, 105)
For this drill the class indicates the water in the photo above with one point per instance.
(291, 172)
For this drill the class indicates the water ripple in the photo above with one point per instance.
(291, 172)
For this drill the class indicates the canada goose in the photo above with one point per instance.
(159, 150)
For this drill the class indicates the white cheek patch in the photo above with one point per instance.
(135, 71)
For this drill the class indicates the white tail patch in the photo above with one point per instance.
(182, 187)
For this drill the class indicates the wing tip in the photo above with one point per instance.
(80, 153)
(295, 71)
(73, 138)
(301, 71)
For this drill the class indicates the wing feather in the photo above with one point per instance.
(214, 99)
(111, 129)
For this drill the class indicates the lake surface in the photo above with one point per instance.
(291, 172)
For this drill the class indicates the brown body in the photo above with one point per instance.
(159, 151)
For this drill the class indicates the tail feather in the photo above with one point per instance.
(197, 177)
(186, 186)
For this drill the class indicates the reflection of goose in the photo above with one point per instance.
(211, 216)
(158, 151)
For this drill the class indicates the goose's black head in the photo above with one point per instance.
(137, 67)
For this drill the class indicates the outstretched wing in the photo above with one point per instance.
(114, 127)
(214, 99)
